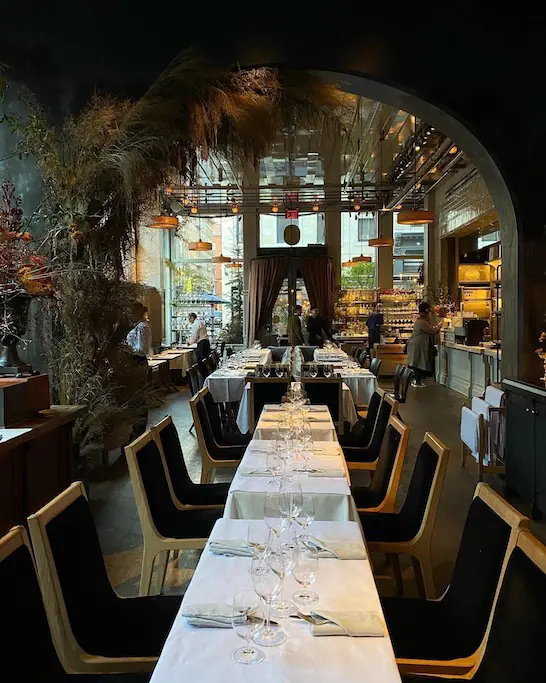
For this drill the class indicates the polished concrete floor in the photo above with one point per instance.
(435, 409)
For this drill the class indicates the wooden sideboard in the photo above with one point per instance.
(36, 461)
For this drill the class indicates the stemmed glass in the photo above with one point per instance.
(279, 371)
(327, 371)
(258, 539)
(306, 516)
(306, 437)
(313, 370)
(266, 370)
(281, 556)
(274, 463)
(267, 585)
(305, 572)
(273, 517)
(290, 500)
(247, 620)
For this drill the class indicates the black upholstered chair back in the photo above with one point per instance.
(26, 639)
(396, 380)
(208, 433)
(379, 428)
(477, 570)
(382, 474)
(156, 488)
(375, 366)
(267, 390)
(515, 649)
(325, 392)
(413, 511)
(308, 353)
(361, 357)
(277, 352)
(174, 458)
(195, 378)
(405, 379)
(214, 416)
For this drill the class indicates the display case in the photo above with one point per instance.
(400, 309)
(351, 311)
(205, 306)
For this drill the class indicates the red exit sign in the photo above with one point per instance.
(292, 214)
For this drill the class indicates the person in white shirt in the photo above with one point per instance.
(199, 336)
(139, 338)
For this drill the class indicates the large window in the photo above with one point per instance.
(272, 229)
(356, 230)
(408, 252)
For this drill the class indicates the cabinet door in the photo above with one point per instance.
(540, 455)
(520, 447)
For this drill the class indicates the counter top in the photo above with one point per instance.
(473, 349)
(37, 426)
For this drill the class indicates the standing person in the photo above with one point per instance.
(139, 338)
(199, 336)
(295, 335)
(316, 328)
(373, 323)
(420, 347)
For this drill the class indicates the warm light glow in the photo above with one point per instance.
(193, 210)
(234, 264)
(200, 246)
(418, 186)
(434, 170)
(361, 259)
(415, 217)
(381, 242)
(398, 207)
(417, 148)
(275, 208)
(235, 208)
(186, 201)
(164, 222)
(356, 206)
(221, 259)
(316, 207)
(454, 149)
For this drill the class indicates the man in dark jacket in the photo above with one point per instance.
(317, 329)
(295, 335)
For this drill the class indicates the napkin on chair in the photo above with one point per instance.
(340, 550)
(356, 624)
(231, 548)
(211, 615)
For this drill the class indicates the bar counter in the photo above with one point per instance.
(467, 369)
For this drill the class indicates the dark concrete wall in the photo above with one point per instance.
(482, 67)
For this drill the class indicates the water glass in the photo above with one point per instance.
(266, 370)
(258, 539)
(290, 499)
(313, 370)
(274, 462)
(267, 585)
(247, 620)
(272, 513)
(305, 572)
(327, 371)
(279, 370)
(307, 515)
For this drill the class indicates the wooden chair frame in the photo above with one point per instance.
(362, 410)
(388, 503)
(483, 438)
(329, 380)
(370, 466)
(154, 543)
(259, 380)
(420, 546)
(156, 434)
(208, 463)
(73, 658)
(463, 665)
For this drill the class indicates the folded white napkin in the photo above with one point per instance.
(469, 429)
(231, 548)
(209, 615)
(269, 417)
(348, 623)
(324, 417)
(327, 472)
(340, 550)
(494, 396)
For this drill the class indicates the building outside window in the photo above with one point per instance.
(356, 230)
(408, 253)
(272, 229)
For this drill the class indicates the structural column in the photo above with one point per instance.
(330, 150)
(251, 226)
(385, 254)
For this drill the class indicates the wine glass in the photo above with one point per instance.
(267, 585)
(306, 515)
(290, 499)
(327, 371)
(313, 370)
(305, 572)
(247, 620)
(274, 463)
(272, 513)
(279, 371)
(266, 370)
(258, 539)
(281, 556)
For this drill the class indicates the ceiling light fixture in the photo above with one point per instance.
(316, 206)
(454, 149)
(164, 222)
(235, 208)
(186, 200)
(234, 264)
(221, 259)
(194, 210)
(415, 217)
(199, 245)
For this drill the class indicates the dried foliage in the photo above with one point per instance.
(101, 172)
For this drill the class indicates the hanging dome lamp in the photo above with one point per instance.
(415, 217)
(200, 245)
(221, 259)
(162, 221)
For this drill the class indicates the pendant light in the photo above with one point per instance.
(200, 245)
(221, 259)
(162, 221)
(415, 216)
(235, 265)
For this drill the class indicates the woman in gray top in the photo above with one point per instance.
(420, 347)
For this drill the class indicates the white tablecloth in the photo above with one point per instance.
(244, 418)
(329, 355)
(362, 384)
(178, 359)
(226, 386)
(205, 655)
(331, 495)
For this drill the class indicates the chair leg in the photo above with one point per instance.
(424, 578)
(463, 455)
(394, 559)
(146, 573)
(192, 426)
(163, 561)
(205, 472)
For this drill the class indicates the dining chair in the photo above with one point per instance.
(476, 443)
(362, 356)
(405, 381)
(185, 494)
(265, 390)
(375, 366)
(365, 455)
(410, 530)
(165, 526)
(196, 380)
(396, 380)
(514, 652)
(308, 353)
(93, 628)
(418, 627)
(277, 353)
(213, 455)
(328, 392)
(361, 432)
(236, 441)
(380, 494)
(28, 644)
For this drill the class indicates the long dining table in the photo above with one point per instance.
(343, 585)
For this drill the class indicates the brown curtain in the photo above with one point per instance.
(318, 274)
(264, 284)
